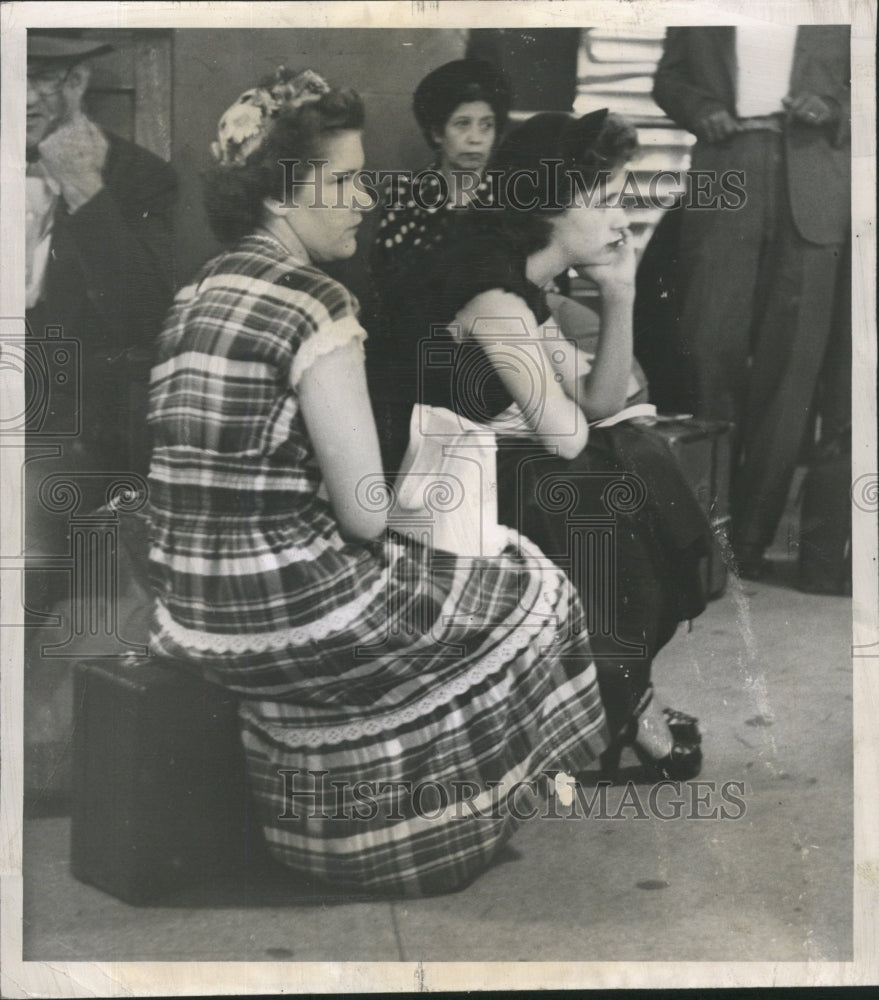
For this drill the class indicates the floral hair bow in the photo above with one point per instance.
(245, 124)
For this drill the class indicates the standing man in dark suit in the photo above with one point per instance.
(758, 281)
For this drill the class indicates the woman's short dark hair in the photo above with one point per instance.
(233, 195)
(456, 83)
(554, 155)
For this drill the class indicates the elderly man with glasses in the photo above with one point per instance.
(99, 248)
(99, 245)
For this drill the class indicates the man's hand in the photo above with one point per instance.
(717, 126)
(74, 155)
(811, 109)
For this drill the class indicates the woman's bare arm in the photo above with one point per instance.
(602, 391)
(338, 416)
(508, 332)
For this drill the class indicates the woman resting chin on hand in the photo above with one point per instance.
(472, 328)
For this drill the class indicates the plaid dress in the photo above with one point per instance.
(395, 698)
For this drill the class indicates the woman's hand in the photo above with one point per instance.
(602, 392)
(614, 271)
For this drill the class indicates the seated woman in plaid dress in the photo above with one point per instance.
(396, 699)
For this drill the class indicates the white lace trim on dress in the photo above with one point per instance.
(324, 340)
(506, 651)
(263, 642)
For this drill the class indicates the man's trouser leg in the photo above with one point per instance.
(721, 259)
(789, 347)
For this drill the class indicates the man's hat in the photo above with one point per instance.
(63, 47)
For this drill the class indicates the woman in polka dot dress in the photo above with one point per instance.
(461, 109)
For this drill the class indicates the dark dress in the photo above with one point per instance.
(650, 582)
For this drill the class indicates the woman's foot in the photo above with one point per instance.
(667, 742)
(653, 737)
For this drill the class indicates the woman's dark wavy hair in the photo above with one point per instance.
(456, 83)
(233, 195)
(560, 149)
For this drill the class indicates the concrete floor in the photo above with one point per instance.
(766, 668)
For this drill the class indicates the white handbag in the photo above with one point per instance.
(446, 489)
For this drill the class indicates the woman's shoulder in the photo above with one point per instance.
(476, 243)
(250, 271)
(265, 289)
(314, 288)
(261, 265)
(405, 224)
(477, 260)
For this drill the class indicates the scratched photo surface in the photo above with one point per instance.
(434, 511)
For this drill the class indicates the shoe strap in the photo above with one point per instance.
(644, 702)
(678, 718)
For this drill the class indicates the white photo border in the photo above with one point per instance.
(21, 978)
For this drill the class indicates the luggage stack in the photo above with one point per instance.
(702, 447)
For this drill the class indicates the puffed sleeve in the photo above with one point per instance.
(328, 320)
(480, 264)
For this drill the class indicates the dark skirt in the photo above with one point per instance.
(623, 523)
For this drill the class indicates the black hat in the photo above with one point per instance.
(455, 83)
(547, 138)
(551, 135)
(63, 46)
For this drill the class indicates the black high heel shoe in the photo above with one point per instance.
(682, 762)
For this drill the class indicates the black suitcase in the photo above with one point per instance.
(159, 790)
(702, 447)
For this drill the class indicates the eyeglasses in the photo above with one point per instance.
(47, 82)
